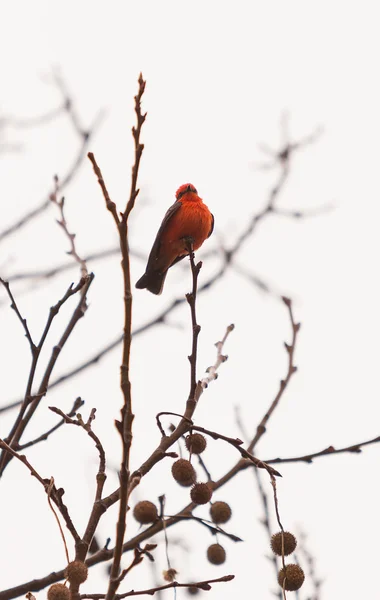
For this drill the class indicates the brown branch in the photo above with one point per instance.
(63, 223)
(136, 132)
(290, 349)
(186, 422)
(214, 529)
(43, 437)
(191, 299)
(30, 402)
(20, 317)
(54, 493)
(101, 475)
(202, 585)
(111, 206)
(98, 509)
(236, 443)
(36, 353)
(124, 426)
(308, 458)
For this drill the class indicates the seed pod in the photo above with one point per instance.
(145, 512)
(76, 572)
(58, 591)
(220, 512)
(201, 493)
(290, 543)
(216, 554)
(184, 472)
(294, 577)
(196, 443)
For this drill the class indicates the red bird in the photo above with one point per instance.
(188, 217)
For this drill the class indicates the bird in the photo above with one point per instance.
(187, 219)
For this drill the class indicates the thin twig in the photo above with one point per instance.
(87, 426)
(308, 458)
(124, 426)
(20, 317)
(290, 349)
(49, 490)
(202, 585)
(214, 529)
(55, 494)
(63, 223)
(43, 437)
(191, 299)
(30, 402)
(236, 443)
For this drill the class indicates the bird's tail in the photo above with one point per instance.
(153, 281)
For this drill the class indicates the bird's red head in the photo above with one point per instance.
(184, 189)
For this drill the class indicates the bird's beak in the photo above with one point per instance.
(188, 188)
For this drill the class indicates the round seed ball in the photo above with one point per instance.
(220, 512)
(294, 577)
(184, 472)
(201, 493)
(58, 591)
(216, 554)
(145, 512)
(76, 571)
(196, 443)
(290, 543)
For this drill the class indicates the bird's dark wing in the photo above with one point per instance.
(156, 246)
(212, 225)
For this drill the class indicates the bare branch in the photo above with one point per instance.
(77, 404)
(63, 223)
(21, 319)
(30, 402)
(236, 443)
(290, 349)
(202, 585)
(308, 458)
(54, 493)
(124, 426)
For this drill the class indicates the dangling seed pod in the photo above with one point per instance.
(184, 472)
(294, 577)
(220, 512)
(58, 591)
(76, 572)
(201, 493)
(216, 554)
(196, 443)
(145, 512)
(290, 543)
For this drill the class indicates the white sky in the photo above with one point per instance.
(219, 77)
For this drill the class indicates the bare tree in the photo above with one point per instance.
(183, 432)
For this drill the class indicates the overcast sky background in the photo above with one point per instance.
(220, 76)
